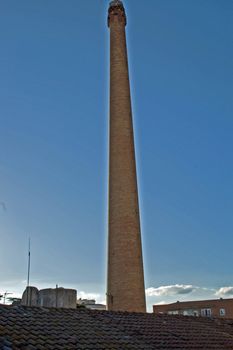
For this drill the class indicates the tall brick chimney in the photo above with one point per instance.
(125, 287)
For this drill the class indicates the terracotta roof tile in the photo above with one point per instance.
(44, 329)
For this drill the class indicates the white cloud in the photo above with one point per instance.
(99, 298)
(161, 302)
(224, 291)
(170, 290)
(84, 295)
(183, 292)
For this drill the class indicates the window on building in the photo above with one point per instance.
(174, 312)
(206, 312)
(190, 312)
(222, 312)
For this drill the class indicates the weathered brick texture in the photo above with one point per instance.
(125, 290)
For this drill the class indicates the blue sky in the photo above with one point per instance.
(54, 67)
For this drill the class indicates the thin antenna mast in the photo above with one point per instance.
(29, 261)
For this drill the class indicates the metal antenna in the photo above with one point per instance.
(29, 261)
(5, 295)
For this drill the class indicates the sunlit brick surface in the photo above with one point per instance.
(126, 290)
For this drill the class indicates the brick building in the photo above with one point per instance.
(210, 308)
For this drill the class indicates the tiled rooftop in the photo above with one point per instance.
(25, 328)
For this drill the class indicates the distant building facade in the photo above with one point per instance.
(207, 308)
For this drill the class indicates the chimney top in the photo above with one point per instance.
(116, 8)
(115, 3)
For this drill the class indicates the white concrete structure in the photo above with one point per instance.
(51, 297)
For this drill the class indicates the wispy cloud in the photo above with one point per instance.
(224, 291)
(161, 302)
(183, 292)
(170, 290)
(85, 295)
(3, 206)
